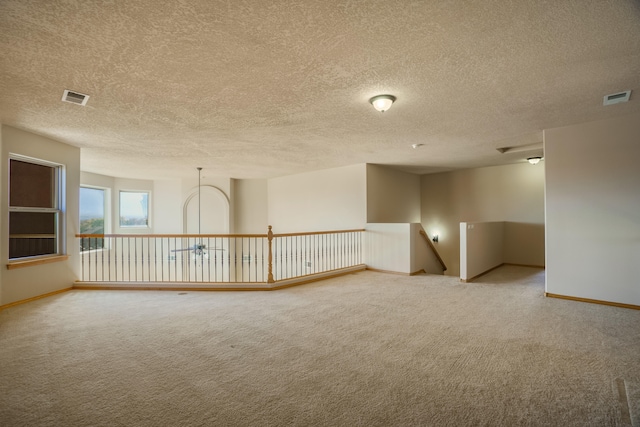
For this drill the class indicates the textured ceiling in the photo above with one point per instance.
(257, 89)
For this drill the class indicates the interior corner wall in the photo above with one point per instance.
(511, 193)
(593, 210)
(331, 199)
(28, 282)
(250, 202)
(392, 196)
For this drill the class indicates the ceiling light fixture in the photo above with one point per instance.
(382, 102)
(534, 160)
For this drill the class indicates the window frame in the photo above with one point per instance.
(133, 227)
(58, 209)
(106, 215)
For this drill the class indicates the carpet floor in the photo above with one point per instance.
(365, 349)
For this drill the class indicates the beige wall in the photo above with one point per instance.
(97, 180)
(593, 210)
(332, 199)
(222, 186)
(167, 206)
(251, 206)
(392, 196)
(481, 247)
(28, 282)
(512, 193)
(387, 247)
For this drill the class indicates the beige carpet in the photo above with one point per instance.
(367, 349)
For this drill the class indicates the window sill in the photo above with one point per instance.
(31, 262)
(93, 251)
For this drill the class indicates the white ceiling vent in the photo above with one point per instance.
(616, 98)
(75, 97)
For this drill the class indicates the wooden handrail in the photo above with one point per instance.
(102, 236)
(268, 260)
(311, 233)
(433, 248)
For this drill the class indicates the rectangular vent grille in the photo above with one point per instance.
(75, 97)
(616, 98)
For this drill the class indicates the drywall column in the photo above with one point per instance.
(593, 210)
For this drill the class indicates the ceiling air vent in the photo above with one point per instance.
(616, 98)
(75, 97)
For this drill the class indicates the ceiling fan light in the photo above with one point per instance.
(382, 102)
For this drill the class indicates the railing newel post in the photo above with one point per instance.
(270, 257)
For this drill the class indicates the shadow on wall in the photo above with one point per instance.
(524, 244)
(487, 245)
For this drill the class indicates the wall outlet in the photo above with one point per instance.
(308, 263)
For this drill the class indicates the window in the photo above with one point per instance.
(134, 209)
(35, 214)
(92, 216)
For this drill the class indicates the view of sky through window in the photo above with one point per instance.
(92, 217)
(91, 203)
(134, 209)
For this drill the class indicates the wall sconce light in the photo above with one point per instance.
(382, 102)
(435, 238)
(534, 160)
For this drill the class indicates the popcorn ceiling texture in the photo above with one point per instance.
(256, 89)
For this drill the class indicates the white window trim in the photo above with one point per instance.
(107, 215)
(60, 203)
(135, 227)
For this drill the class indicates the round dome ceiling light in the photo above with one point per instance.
(534, 160)
(382, 102)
